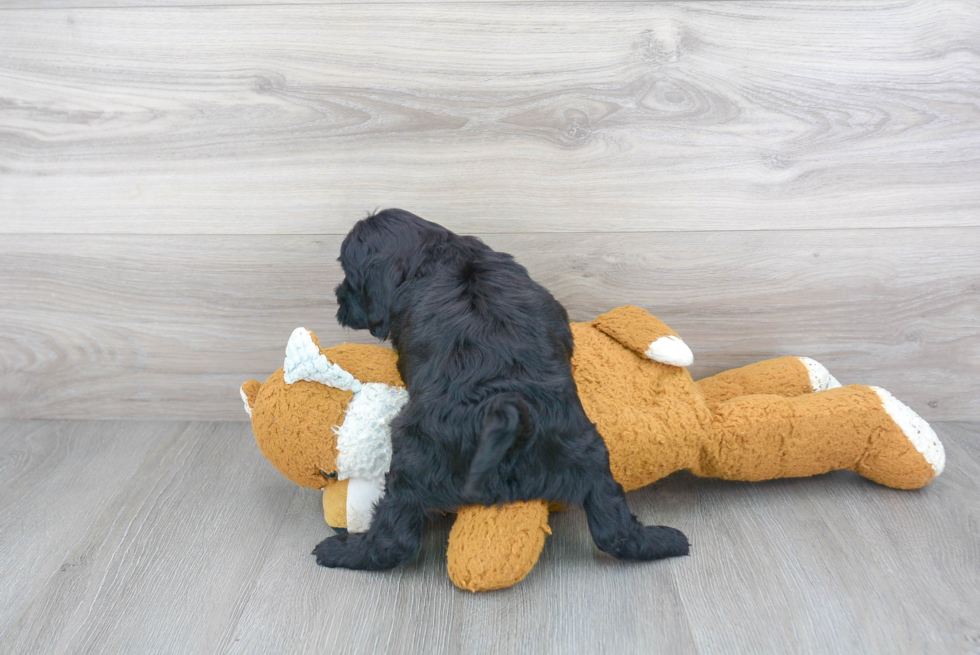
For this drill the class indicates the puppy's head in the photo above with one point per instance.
(378, 255)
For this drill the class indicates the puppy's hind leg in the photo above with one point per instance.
(393, 538)
(616, 531)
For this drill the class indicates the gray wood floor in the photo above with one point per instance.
(126, 537)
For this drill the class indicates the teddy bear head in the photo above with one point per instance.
(323, 418)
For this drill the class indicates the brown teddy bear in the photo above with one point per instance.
(322, 420)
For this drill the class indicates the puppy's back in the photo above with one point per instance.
(477, 319)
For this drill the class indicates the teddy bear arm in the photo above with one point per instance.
(495, 547)
(489, 547)
(335, 504)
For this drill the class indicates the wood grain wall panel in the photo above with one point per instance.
(114, 4)
(497, 118)
(170, 326)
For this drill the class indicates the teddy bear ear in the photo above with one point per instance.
(249, 391)
(305, 361)
(367, 363)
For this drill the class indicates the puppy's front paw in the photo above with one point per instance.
(329, 552)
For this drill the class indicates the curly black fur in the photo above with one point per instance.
(494, 415)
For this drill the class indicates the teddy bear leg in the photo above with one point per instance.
(335, 504)
(763, 437)
(783, 376)
(495, 547)
(394, 537)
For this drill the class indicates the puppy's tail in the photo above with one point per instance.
(507, 419)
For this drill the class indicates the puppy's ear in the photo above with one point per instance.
(379, 293)
(350, 307)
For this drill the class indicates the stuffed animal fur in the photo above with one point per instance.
(322, 420)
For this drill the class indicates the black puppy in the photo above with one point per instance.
(493, 414)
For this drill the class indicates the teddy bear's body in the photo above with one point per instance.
(778, 418)
(757, 423)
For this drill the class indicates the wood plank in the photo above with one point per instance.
(169, 563)
(111, 4)
(179, 560)
(494, 118)
(962, 436)
(170, 326)
(835, 563)
(56, 478)
(202, 547)
(575, 601)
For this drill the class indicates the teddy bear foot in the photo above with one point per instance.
(905, 453)
(820, 377)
